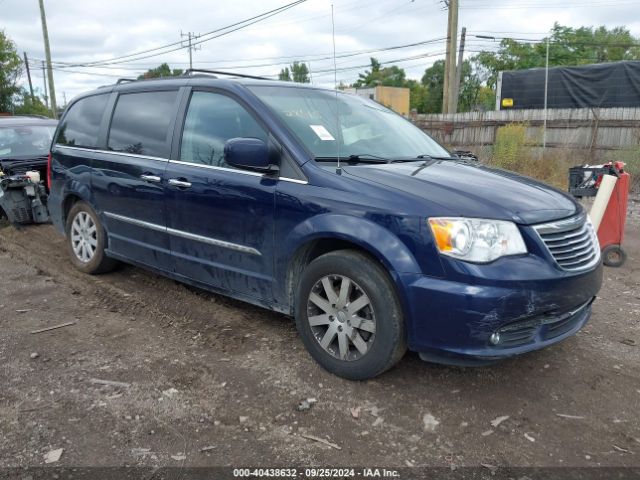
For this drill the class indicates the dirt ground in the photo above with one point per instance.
(211, 381)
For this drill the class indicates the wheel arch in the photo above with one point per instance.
(70, 199)
(67, 204)
(347, 233)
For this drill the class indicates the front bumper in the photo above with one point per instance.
(485, 315)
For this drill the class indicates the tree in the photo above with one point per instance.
(300, 72)
(433, 80)
(10, 72)
(418, 94)
(388, 76)
(297, 72)
(486, 99)
(472, 95)
(284, 75)
(163, 70)
(567, 47)
(28, 105)
(368, 78)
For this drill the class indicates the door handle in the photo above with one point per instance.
(151, 178)
(176, 182)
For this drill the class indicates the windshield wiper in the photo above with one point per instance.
(351, 159)
(405, 160)
(433, 157)
(367, 157)
(371, 158)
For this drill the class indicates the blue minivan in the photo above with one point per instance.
(326, 207)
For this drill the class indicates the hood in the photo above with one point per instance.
(472, 190)
(20, 164)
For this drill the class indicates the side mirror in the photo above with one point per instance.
(249, 153)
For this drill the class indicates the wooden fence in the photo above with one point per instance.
(591, 130)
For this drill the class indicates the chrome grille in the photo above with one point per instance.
(573, 243)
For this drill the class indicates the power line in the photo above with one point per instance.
(388, 62)
(474, 47)
(346, 54)
(318, 72)
(239, 25)
(95, 74)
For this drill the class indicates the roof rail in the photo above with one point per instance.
(125, 80)
(189, 71)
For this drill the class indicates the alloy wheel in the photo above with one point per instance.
(341, 317)
(84, 237)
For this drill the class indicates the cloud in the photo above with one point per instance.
(92, 30)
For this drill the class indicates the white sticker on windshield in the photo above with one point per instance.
(323, 133)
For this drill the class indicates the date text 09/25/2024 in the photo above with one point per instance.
(316, 472)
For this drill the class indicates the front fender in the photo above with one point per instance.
(378, 241)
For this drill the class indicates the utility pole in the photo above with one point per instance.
(190, 36)
(26, 64)
(47, 52)
(44, 79)
(450, 61)
(456, 87)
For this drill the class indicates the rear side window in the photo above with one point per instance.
(141, 121)
(81, 124)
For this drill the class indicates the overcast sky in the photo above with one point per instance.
(88, 30)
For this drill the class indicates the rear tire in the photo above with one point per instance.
(87, 240)
(349, 316)
(614, 256)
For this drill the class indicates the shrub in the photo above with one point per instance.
(510, 146)
(513, 151)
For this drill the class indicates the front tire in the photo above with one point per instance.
(87, 240)
(349, 316)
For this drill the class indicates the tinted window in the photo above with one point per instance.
(82, 122)
(141, 121)
(212, 119)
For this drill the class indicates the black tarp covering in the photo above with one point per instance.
(599, 85)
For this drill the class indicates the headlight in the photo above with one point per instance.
(476, 240)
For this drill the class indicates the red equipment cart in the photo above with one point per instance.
(584, 182)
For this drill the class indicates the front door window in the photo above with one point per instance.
(211, 120)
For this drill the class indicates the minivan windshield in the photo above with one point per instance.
(25, 141)
(346, 125)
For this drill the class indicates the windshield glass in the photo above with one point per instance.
(366, 127)
(25, 141)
